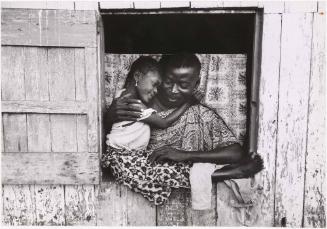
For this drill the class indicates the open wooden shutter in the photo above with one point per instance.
(49, 97)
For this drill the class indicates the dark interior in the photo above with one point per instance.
(170, 33)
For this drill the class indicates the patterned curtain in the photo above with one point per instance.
(223, 81)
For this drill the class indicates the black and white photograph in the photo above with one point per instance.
(163, 113)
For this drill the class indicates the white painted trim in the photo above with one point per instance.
(147, 5)
(116, 5)
(175, 4)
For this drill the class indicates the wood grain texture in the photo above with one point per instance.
(81, 133)
(111, 209)
(14, 132)
(118, 206)
(64, 5)
(251, 191)
(64, 28)
(80, 205)
(147, 5)
(36, 68)
(47, 28)
(226, 215)
(116, 5)
(249, 4)
(101, 85)
(292, 118)
(39, 140)
(232, 3)
(230, 212)
(24, 4)
(174, 212)
(61, 71)
(12, 73)
(50, 168)
(38, 4)
(86, 5)
(50, 205)
(205, 4)
(301, 6)
(174, 4)
(201, 217)
(272, 7)
(140, 212)
(321, 7)
(45, 107)
(79, 73)
(36, 74)
(92, 75)
(206, 217)
(268, 110)
(38, 133)
(18, 205)
(63, 133)
(315, 177)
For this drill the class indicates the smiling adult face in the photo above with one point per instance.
(178, 85)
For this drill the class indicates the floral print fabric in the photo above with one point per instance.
(154, 182)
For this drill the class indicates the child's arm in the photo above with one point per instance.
(162, 123)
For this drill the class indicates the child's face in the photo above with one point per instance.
(147, 85)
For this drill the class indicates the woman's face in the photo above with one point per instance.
(147, 85)
(177, 86)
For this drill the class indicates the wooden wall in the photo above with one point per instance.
(289, 192)
(49, 93)
(291, 136)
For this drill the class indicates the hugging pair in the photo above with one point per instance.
(187, 141)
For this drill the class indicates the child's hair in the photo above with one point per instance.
(143, 64)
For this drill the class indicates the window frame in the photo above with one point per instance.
(251, 142)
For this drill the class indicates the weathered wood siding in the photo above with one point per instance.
(315, 177)
(292, 117)
(48, 109)
(49, 76)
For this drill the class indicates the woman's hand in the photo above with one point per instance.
(167, 153)
(125, 109)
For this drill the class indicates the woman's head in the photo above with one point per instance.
(145, 76)
(181, 75)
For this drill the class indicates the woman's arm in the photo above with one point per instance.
(241, 164)
(220, 155)
(163, 123)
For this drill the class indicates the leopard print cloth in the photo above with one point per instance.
(154, 182)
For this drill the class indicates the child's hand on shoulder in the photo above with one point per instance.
(197, 97)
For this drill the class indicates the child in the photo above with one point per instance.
(126, 155)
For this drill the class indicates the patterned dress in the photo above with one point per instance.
(199, 128)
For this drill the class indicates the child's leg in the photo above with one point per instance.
(201, 185)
